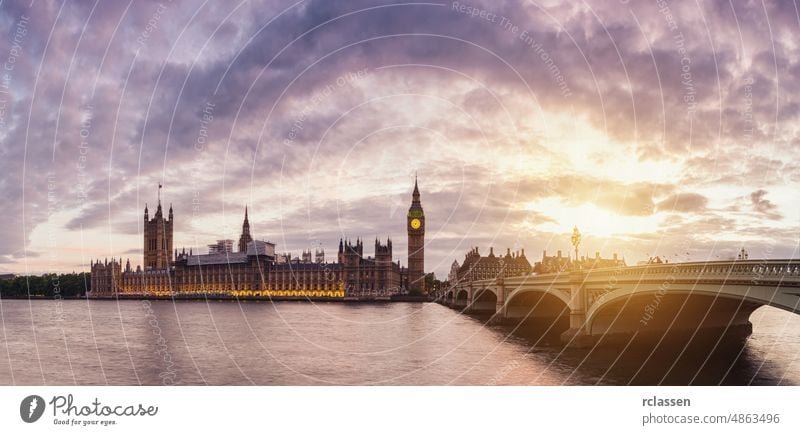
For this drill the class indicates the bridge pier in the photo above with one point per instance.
(500, 305)
(578, 334)
(468, 307)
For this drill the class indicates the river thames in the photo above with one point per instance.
(297, 343)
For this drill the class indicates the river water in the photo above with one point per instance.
(289, 343)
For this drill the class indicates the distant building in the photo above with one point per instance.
(260, 247)
(157, 239)
(319, 256)
(415, 225)
(552, 264)
(452, 276)
(559, 263)
(221, 247)
(255, 269)
(598, 262)
(476, 267)
(367, 274)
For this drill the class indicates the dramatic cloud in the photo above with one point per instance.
(635, 121)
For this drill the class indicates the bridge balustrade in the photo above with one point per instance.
(731, 269)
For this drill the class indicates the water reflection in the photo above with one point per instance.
(222, 343)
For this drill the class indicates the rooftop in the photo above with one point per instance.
(221, 258)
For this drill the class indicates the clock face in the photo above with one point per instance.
(416, 223)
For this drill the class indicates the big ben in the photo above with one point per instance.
(416, 244)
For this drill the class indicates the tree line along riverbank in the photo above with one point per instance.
(49, 286)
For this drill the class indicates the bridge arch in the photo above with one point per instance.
(651, 308)
(537, 303)
(484, 300)
(462, 298)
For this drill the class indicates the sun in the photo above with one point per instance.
(592, 220)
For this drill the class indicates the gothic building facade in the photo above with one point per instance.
(416, 243)
(369, 274)
(476, 267)
(157, 239)
(255, 270)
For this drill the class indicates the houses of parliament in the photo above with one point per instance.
(255, 270)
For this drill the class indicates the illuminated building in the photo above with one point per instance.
(255, 270)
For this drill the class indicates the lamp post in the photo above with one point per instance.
(576, 241)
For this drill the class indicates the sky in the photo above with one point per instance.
(657, 128)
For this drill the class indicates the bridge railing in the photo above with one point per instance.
(771, 270)
(751, 269)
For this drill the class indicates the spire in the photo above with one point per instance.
(245, 238)
(246, 223)
(416, 188)
(415, 203)
(158, 208)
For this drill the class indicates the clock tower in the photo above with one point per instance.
(416, 244)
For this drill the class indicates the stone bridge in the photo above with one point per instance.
(639, 299)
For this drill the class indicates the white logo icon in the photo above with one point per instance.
(31, 408)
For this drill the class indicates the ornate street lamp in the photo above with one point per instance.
(576, 241)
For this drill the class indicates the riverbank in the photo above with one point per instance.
(224, 297)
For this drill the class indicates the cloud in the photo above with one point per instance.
(626, 199)
(764, 206)
(683, 203)
(471, 105)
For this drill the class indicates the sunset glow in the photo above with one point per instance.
(319, 118)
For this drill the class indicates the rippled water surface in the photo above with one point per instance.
(288, 343)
